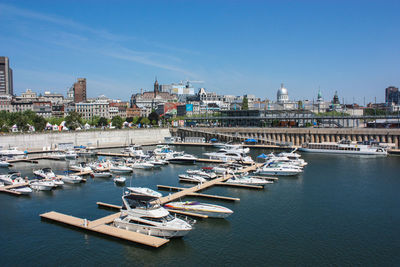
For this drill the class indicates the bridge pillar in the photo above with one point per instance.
(312, 138)
(389, 139)
(396, 141)
(322, 138)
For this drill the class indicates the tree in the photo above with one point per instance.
(145, 121)
(135, 120)
(73, 120)
(117, 121)
(245, 103)
(39, 123)
(153, 116)
(102, 122)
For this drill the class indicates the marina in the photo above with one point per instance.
(99, 221)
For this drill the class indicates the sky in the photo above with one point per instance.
(233, 47)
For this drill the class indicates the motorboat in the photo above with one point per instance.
(85, 152)
(24, 190)
(144, 191)
(141, 214)
(81, 167)
(120, 168)
(181, 158)
(203, 173)
(142, 165)
(101, 174)
(15, 179)
(12, 153)
(100, 166)
(42, 185)
(71, 154)
(226, 156)
(135, 151)
(119, 179)
(58, 156)
(157, 162)
(4, 164)
(248, 180)
(58, 182)
(211, 210)
(192, 178)
(45, 173)
(70, 178)
(279, 170)
(163, 150)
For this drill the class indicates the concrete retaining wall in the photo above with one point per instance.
(92, 138)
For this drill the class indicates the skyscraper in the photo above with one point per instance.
(6, 79)
(392, 95)
(80, 90)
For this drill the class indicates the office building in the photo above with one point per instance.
(6, 77)
(80, 90)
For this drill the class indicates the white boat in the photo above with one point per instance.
(157, 162)
(101, 174)
(144, 191)
(58, 182)
(141, 215)
(119, 179)
(71, 179)
(45, 173)
(279, 170)
(203, 173)
(84, 152)
(42, 185)
(210, 210)
(193, 178)
(247, 180)
(135, 150)
(71, 154)
(58, 155)
(181, 158)
(283, 159)
(12, 153)
(142, 165)
(15, 179)
(4, 164)
(163, 150)
(100, 166)
(81, 167)
(24, 190)
(344, 147)
(119, 168)
(229, 156)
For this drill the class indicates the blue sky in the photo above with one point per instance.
(235, 47)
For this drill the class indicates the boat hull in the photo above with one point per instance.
(347, 152)
(149, 230)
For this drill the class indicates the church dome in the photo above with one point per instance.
(282, 95)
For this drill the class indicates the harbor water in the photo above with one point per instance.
(343, 210)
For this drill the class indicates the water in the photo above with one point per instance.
(344, 210)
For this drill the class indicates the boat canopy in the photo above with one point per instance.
(213, 139)
(262, 156)
(251, 140)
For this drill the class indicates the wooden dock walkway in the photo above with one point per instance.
(100, 226)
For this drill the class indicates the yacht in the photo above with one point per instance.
(70, 178)
(230, 155)
(100, 174)
(344, 147)
(15, 179)
(119, 180)
(120, 168)
(42, 185)
(280, 158)
(71, 154)
(58, 156)
(4, 163)
(141, 215)
(12, 153)
(142, 165)
(157, 162)
(100, 166)
(45, 173)
(136, 150)
(247, 180)
(203, 173)
(162, 150)
(144, 191)
(81, 167)
(193, 178)
(279, 170)
(213, 211)
(181, 158)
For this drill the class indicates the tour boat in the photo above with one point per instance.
(119, 179)
(140, 214)
(213, 211)
(344, 147)
(45, 173)
(144, 191)
(101, 174)
(181, 158)
(193, 178)
(41, 185)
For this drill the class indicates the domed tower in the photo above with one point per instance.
(319, 99)
(282, 95)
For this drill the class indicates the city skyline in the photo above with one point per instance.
(344, 47)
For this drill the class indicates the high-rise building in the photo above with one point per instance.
(80, 90)
(6, 77)
(392, 95)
